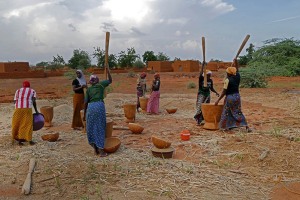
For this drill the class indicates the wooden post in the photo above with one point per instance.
(204, 69)
(106, 53)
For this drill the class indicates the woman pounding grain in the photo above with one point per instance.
(203, 95)
(94, 113)
(232, 116)
(78, 85)
(140, 89)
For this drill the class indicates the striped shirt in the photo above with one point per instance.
(23, 97)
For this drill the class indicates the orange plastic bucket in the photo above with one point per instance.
(185, 135)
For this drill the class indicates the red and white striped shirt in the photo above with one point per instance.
(23, 97)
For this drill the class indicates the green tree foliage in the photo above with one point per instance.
(278, 57)
(80, 60)
(243, 60)
(126, 59)
(149, 56)
(42, 64)
(57, 62)
(112, 61)
(99, 54)
(139, 64)
(162, 57)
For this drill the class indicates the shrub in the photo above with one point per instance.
(131, 74)
(252, 78)
(191, 85)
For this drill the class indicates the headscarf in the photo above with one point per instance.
(143, 75)
(156, 75)
(26, 84)
(81, 80)
(231, 70)
(207, 72)
(94, 79)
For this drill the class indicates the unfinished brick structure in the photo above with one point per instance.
(160, 66)
(185, 66)
(14, 67)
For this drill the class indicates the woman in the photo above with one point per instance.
(232, 116)
(203, 95)
(78, 85)
(153, 102)
(22, 120)
(94, 113)
(141, 88)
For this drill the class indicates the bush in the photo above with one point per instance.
(191, 85)
(252, 78)
(131, 74)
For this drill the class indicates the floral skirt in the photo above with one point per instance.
(232, 115)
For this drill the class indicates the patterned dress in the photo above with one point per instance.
(232, 116)
(96, 115)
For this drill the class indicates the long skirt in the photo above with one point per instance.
(153, 102)
(96, 124)
(200, 99)
(22, 124)
(78, 105)
(232, 115)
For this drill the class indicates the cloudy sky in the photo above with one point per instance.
(37, 30)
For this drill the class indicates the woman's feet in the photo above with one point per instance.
(102, 153)
(249, 130)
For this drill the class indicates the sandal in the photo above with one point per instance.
(249, 130)
(32, 143)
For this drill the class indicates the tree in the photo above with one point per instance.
(244, 60)
(42, 64)
(139, 64)
(162, 57)
(80, 59)
(58, 62)
(112, 61)
(127, 59)
(99, 54)
(149, 56)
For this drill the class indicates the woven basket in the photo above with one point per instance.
(112, 144)
(171, 110)
(135, 128)
(160, 143)
(50, 137)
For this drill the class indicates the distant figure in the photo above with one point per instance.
(203, 95)
(232, 116)
(153, 102)
(141, 88)
(78, 85)
(94, 113)
(22, 121)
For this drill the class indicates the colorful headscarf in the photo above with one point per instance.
(26, 84)
(231, 70)
(143, 75)
(94, 79)
(81, 80)
(156, 75)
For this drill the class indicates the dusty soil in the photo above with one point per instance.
(211, 165)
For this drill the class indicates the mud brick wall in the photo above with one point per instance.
(185, 66)
(160, 66)
(17, 75)
(14, 67)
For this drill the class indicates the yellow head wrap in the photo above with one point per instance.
(231, 70)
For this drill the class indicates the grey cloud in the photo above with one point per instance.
(136, 31)
(72, 27)
(108, 26)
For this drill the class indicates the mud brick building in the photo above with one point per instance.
(160, 66)
(185, 66)
(14, 67)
